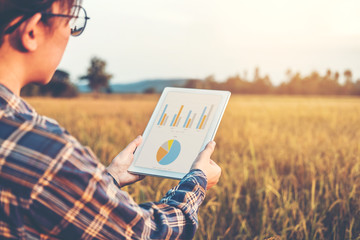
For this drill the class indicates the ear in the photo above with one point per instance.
(31, 33)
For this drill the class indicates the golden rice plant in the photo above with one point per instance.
(291, 165)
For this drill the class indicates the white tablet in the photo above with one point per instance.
(183, 123)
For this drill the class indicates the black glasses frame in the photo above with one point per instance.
(74, 33)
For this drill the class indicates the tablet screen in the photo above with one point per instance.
(179, 131)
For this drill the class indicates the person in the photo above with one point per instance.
(52, 187)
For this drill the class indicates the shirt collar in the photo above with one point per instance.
(14, 102)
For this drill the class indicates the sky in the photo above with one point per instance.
(162, 39)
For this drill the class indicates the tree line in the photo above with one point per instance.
(98, 80)
(61, 86)
(296, 84)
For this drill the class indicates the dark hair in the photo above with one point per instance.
(11, 9)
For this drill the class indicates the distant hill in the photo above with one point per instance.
(157, 85)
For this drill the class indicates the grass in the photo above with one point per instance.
(291, 165)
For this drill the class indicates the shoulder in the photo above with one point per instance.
(34, 146)
(32, 132)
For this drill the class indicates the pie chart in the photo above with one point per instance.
(168, 152)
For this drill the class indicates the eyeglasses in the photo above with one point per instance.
(78, 19)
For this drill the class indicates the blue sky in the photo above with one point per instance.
(146, 39)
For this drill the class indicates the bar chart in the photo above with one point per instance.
(185, 117)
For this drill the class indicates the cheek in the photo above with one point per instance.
(63, 39)
(59, 43)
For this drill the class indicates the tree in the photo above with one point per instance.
(357, 87)
(336, 77)
(256, 74)
(194, 83)
(233, 84)
(59, 86)
(30, 90)
(210, 82)
(348, 86)
(348, 75)
(96, 75)
(262, 85)
(150, 90)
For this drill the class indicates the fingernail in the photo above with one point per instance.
(213, 143)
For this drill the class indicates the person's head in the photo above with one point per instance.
(35, 33)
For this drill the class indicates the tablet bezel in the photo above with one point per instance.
(209, 136)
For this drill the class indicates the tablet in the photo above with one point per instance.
(183, 123)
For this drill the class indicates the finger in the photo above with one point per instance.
(133, 145)
(137, 177)
(209, 149)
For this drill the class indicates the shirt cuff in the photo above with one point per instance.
(197, 176)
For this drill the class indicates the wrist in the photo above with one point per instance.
(115, 180)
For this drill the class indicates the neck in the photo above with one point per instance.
(13, 87)
(11, 73)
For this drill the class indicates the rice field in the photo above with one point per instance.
(291, 165)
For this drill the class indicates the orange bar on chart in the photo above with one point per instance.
(162, 121)
(177, 117)
(187, 125)
(202, 122)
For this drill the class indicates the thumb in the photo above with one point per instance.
(209, 149)
(130, 148)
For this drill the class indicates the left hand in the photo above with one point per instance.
(119, 166)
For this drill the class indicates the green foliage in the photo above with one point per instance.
(96, 75)
(59, 86)
(30, 90)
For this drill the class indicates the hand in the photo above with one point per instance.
(208, 166)
(119, 166)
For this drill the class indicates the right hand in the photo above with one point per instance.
(208, 166)
(119, 166)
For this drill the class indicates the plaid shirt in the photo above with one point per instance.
(51, 187)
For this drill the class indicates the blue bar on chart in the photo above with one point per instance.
(201, 118)
(172, 122)
(161, 120)
(176, 123)
(207, 117)
(187, 119)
